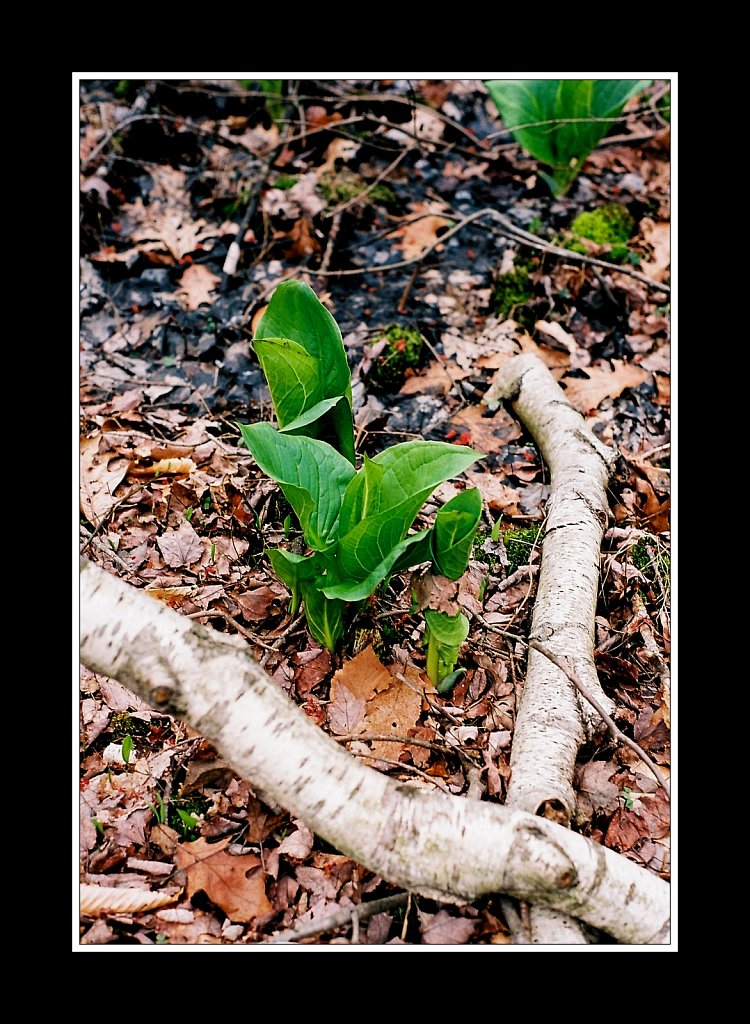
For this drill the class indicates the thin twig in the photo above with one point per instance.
(405, 925)
(405, 767)
(617, 734)
(340, 918)
(377, 737)
(332, 235)
(533, 241)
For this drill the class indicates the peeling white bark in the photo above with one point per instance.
(553, 721)
(445, 847)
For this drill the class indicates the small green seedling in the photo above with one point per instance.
(560, 121)
(127, 748)
(356, 523)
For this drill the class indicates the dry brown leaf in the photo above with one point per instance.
(418, 235)
(172, 467)
(437, 379)
(363, 676)
(301, 198)
(656, 234)
(297, 845)
(587, 395)
(445, 929)
(256, 604)
(196, 286)
(390, 705)
(339, 149)
(345, 710)
(302, 241)
(99, 899)
(487, 434)
(224, 878)
(180, 547)
(100, 475)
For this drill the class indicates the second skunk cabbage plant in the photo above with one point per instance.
(560, 121)
(452, 537)
(356, 523)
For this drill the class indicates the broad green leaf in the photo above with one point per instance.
(560, 121)
(443, 635)
(409, 552)
(296, 321)
(293, 570)
(309, 416)
(325, 618)
(383, 501)
(292, 375)
(455, 528)
(312, 475)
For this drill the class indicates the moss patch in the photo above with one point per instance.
(609, 225)
(403, 351)
(519, 545)
(512, 290)
(344, 185)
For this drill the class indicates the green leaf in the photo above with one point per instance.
(312, 475)
(455, 528)
(300, 349)
(443, 635)
(383, 501)
(127, 748)
(309, 416)
(565, 118)
(409, 552)
(447, 684)
(292, 570)
(292, 375)
(325, 618)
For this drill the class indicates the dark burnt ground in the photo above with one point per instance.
(171, 502)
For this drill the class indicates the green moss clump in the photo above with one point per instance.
(343, 185)
(286, 181)
(519, 545)
(122, 724)
(609, 225)
(652, 560)
(404, 350)
(512, 290)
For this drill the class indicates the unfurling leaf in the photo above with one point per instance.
(443, 635)
(455, 528)
(560, 121)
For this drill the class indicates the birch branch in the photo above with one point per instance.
(447, 848)
(552, 723)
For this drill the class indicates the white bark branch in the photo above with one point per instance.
(445, 847)
(553, 722)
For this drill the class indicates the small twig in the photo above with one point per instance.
(377, 737)
(341, 918)
(405, 925)
(519, 936)
(441, 363)
(405, 767)
(354, 941)
(401, 307)
(532, 241)
(235, 249)
(332, 235)
(274, 647)
(617, 734)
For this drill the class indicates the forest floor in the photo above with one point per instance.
(349, 178)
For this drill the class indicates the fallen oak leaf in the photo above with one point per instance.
(99, 899)
(233, 883)
(586, 395)
(445, 929)
(417, 236)
(196, 287)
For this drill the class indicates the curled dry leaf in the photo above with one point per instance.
(98, 899)
(656, 234)
(101, 472)
(487, 433)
